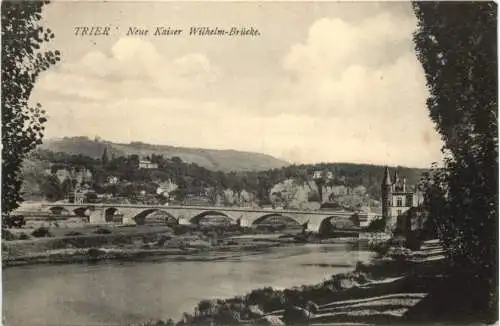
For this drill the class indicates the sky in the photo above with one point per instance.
(323, 82)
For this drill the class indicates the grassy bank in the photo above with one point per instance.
(134, 244)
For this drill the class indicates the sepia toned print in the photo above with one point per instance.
(249, 163)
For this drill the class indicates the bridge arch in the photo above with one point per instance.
(275, 219)
(276, 222)
(82, 211)
(167, 219)
(110, 213)
(59, 210)
(212, 217)
(334, 222)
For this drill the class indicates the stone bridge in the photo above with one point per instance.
(137, 214)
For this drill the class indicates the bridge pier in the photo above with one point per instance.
(97, 217)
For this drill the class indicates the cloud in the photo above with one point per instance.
(132, 68)
(364, 81)
(351, 91)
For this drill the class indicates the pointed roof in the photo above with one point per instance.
(106, 156)
(396, 176)
(387, 177)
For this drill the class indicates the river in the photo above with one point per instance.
(118, 293)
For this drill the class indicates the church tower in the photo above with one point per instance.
(397, 199)
(106, 157)
(386, 194)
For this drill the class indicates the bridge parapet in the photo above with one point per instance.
(100, 213)
(199, 208)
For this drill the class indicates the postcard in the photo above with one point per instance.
(249, 163)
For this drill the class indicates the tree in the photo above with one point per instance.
(105, 159)
(263, 188)
(51, 188)
(456, 44)
(214, 195)
(22, 62)
(66, 187)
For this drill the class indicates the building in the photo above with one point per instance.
(146, 164)
(106, 156)
(77, 175)
(397, 198)
(82, 194)
(82, 176)
(112, 180)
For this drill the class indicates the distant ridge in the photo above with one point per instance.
(213, 159)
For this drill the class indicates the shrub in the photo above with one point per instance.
(377, 225)
(8, 236)
(24, 236)
(381, 248)
(42, 232)
(163, 239)
(397, 241)
(268, 298)
(13, 221)
(94, 252)
(399, 253)
(73, 233)
(102, 231)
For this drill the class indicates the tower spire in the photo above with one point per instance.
(387, 177)
(396, 176)
(105, 156)
(386, 194)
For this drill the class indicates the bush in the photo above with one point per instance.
(102, 231)
(169, 322)
(8, 236)
(13, 221)
(94, 252)
(399, 253)
(42, 232)
(397, 241)
(377, 225)
(24, 236)
(73, 233)
(181, 229)
(381, 248)
(267, 298)
(163, 239)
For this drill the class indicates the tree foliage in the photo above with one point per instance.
(52, 188)
(456, 44)
(22, 62)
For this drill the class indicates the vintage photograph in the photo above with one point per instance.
(249, 163)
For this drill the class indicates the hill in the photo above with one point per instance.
(212, 159)
(292, 186)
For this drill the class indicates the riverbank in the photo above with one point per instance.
(84, 255)
(385, 291)
(142, 245)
